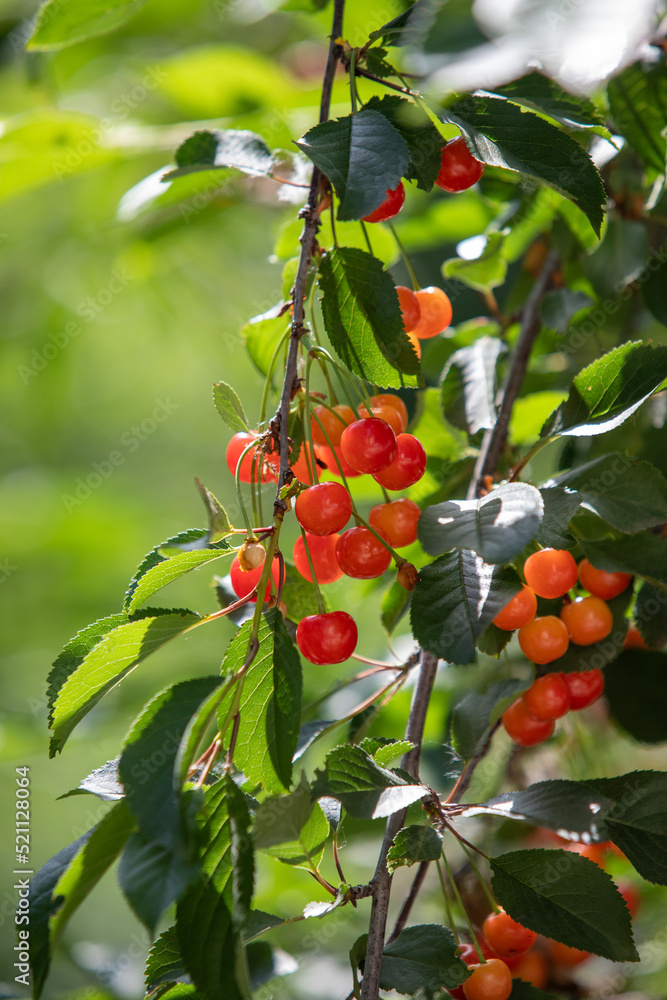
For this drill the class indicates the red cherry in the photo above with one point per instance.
(468, 954)
(544, 639)
(490, 981)
(522, 728)
(519, 611)
(562, 954)
(361, 555)
(409, 304)
(435, 312)
(322, 550)
(588, 620)
(585, 688)
(459, 169)
(551, 572)
(323, 509)
(547, 698)
(327, 638)
(390, 399)
(507, 937)
(390, 207)
(602, 584)
(408, 466)
(250, 466)
(634, 639)
(243, 582)
(397, 520)
(335, 461)
(368, 445)
(303, 467)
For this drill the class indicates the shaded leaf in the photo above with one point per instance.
(422, 958)
(423, 140)
(642, 554)
(560, 506)
(395, 603)
(651, 615)
(558, 308)
(474, 715)
(229, 406)
(152, 877)
(299, 595)
(365, 789)
(413, 844)
(484, 272)
(262, 336)
(544, 95)
(471, 371)
(636, 693)
(59, 25)
(236, 149)
(638, 103)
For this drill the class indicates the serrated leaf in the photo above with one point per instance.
(497, 132)
(642, 554)
(363, 320)
(185, 541)
(409, 27)
(229, 406)
(605, 393)
(484, 272)
(560, 506)
(619, 259)
(651, 615)
(365, 789)
(493, 640)
(413, 844)
(497, 527)
(389, 751)
(422, 959)
(270, 707)
(258, 922)
(235, 149)
(457, 596)
(423, 140)
(565, 897)
(308, 733)
(471, 373)
(474, 715)
(544, 95)
(164, 963)
(114, 656)
(637, 695)
(292, 828)
(171, 569)
(637, 99)
(219, 525)
(102, 782)
(59, 25)
(363, 156)
(299, 595)
(395, 603)
(377, 64)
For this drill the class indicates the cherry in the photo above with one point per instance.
(329, 459)
(547, 698)
(600, 583)
(323, 509)
(459, 169)
(361, 555)
(303, 467)
(588, 620)
(250, 466)
(334, 422)
(519, 611)
(245, 581)
(532, 968)
(435, 312)
(634, 639)
(390, 207)
(551, 572)
(389, 399)
(416, 345)
(322, 550)
(490, 981)
(389, 414)
(408, 466)
(397, 520)
(522, 728)
(564, 955)
(585, 688)
(544, 639)
(507, 937)
(409, 304)
(593, 852)
(368, 445)
(327, 638)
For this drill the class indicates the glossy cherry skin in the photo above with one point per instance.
(368, 445)
(389, 414)
(585, 688)
(602, 584)
(435, 312)
(254, 468)
(468, 954)
(551, 572)
(327, 638)
(322, 550)
(323, 509)
(544, 639)
(490, 981)
(398, 521)
(334, 422)
(303, 467)
(361, 555)
(408, 466)
(588, 620)
(547, 698)
(335, 461)
(409, 304)
(389, 399)
(517, 612)
(459, 169)
(507, 937)
(390, 207)
(244, 582)
(522, 728)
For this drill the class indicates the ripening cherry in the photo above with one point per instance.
(547, 698)
(390, 207)
(322, 550)
(327, 638)
(303, 467)
(435, 312)
(416, 345)
(361, 555)
(522, 728)
(408, 466)
(368, 445)
(335, 461)
(600, 583)
(389, 414)
(551, 572)
(397, 520)
(409, 304)
(517, 612)
(588, 620)
(544, 639)
(634, 639)
(532, 968)
(390, 399)
(490, 981)
(562, 954)
(585, 688)
(323, 509)
(334, 422)
(507, 937)
(459, 169)
(244, 582)
(253, 463)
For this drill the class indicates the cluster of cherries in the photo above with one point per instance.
(552, 573)
(375, 443)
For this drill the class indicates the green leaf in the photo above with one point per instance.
(102, 782)
(422, 959)
(262, 335)
(299, 595)
(292, 828)
(363, 156)
(388, 751)
(422, 137)
(471, 373)
(497, 527)
(258, 923)
(377, 64)
(152, 877)
(651, 615)
(637, 695)
(493, 640)
(164, 963)
(363, 320)
(605, 393)
(59, 25)
(565, 897)
(365, 789)
(229, 406)
(474, 715)
(529, 414)
(654, 288)
(184, 541)
(560, 506)
(642, 554)
(545, 96)
(575, 809)
(235, 149)
(484, 272)
(171, 569)
(560, 306)
(413, 844)
(395, 603)
(219, 525)
(457, 596)
(620, 258)
(270, 708)
(500, 134)
(409, 27)
(638, 103)
(114, 656)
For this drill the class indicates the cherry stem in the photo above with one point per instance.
(451, 923)
(334, 453)
(215, 747)
(353, 87)
(237, 481)
(310, 447)
(320, 602)
(406, 260)
(364, 230)
(398, 559)
(457, 895)
(482, 881)
(269, 374)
